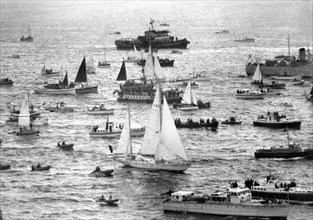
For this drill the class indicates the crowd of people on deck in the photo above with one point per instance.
(191, 122)
(275, 116)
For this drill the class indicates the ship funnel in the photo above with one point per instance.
(302, 56)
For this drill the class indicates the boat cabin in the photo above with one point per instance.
(181, 196)
(238, 195)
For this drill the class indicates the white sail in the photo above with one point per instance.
(257, 76)
(23, 118)
(194, 99)
(157, 67)
(136, 54)
(170, 147)
(124, 143)
(187, 98)
(151, 137)
(43, 70)
(149, 67)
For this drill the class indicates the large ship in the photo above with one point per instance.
(301, 66)
(157, 39)
(143, 90)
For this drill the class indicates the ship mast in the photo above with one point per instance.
(289, 55)
(130, 137)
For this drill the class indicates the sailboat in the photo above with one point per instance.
(257, 76)
(104, 64)
(82, 86)
(48, 72)
(122, 74)
(28, 38)
(90, 67)
(189, 101)
(135, 57)
(62, 88)
(24, 120)
(161, 148)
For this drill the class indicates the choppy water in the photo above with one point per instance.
(66, 31)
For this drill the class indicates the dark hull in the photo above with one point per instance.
(87, 89)
(66, 146)
(27, 132)
(196, 125)
(291, 197)
(10, 83)
(182, 44)
(41, 168)
(305, 70)
(5, 167)
(286, 155)
(278, 125)
(163, 63)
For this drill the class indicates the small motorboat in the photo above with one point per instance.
(40, 168)
(110, 201)
(176, 52)
(5, 166)
(65, 146)
(102, 173)
(231, 121)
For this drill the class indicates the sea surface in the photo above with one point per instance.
(66, 31)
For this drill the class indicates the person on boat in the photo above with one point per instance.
(59, 144)
(106, 125)
(102, 198)
(38, 165)
(110, 197)
(97, 169)
(63, 143)
(110, 128)
(31, 126)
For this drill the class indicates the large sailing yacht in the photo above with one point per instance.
(161, 148)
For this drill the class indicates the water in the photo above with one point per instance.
(66, 31)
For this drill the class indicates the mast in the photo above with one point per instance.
(130, 137)
(289, 55)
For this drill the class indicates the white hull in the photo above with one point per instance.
(153, 166)
(188, 108)
(116, 134)
(247, 96)
(284, 77)
(101, 112)
(70, 91)
(228, 209)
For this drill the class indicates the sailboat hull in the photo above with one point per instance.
(27, 132)
(87, 89)
(152, 165)
(70, 91)
(188, 107)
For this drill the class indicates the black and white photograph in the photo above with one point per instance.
(157, 109)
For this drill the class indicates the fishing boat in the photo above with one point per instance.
(104, 64)
(144, 90)
(49, 72)
(113, 130)
(245, 40)
(156, 38)
(40, 168)
(27, 38)
(100, 110)
(15, 56)
(176, 52)
(234, 201)
(63, 88)
(110, 201)
(65, 146)
(231, 121)
(249, 94)
(135, 58)
(90, 66)
(274, 189)
(24, 120)
(14, 115)
(81, 82)
(102, 173)
(222, 32)
(273, 85)
(190, 123)
(6, 82)
(276, 121)
(161, 148)
(189, 101)
(59, 107)
(292, 150)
